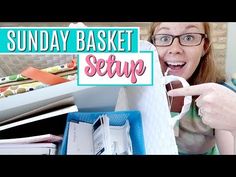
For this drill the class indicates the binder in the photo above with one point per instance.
(116, 119)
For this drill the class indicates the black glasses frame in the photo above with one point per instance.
(203, 36)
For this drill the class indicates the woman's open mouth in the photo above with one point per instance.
(175, 67)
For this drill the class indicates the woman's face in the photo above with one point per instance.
(181, 60)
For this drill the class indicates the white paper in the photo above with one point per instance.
(120, 140)
(80, 139)
(151, 101)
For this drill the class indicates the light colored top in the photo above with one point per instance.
(193, 136)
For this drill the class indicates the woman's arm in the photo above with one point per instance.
(225, 142)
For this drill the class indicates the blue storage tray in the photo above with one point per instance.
(117, 118)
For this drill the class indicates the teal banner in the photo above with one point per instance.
(16, 40)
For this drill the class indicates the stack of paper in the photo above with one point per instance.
(46, 138)
(28, 149)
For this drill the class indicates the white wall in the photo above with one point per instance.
(231, 50)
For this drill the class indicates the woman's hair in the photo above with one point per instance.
(207, 70)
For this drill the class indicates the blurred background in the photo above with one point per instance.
(224, 43)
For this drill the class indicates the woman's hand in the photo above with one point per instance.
(217, 104)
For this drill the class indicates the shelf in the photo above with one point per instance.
(87, 98)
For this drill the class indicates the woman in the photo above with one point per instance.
(185, 49)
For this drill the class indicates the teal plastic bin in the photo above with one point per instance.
(115, 119)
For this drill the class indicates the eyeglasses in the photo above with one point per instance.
(187, 39)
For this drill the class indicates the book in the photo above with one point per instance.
(46, 138)
(98, 138)
(28, 149)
